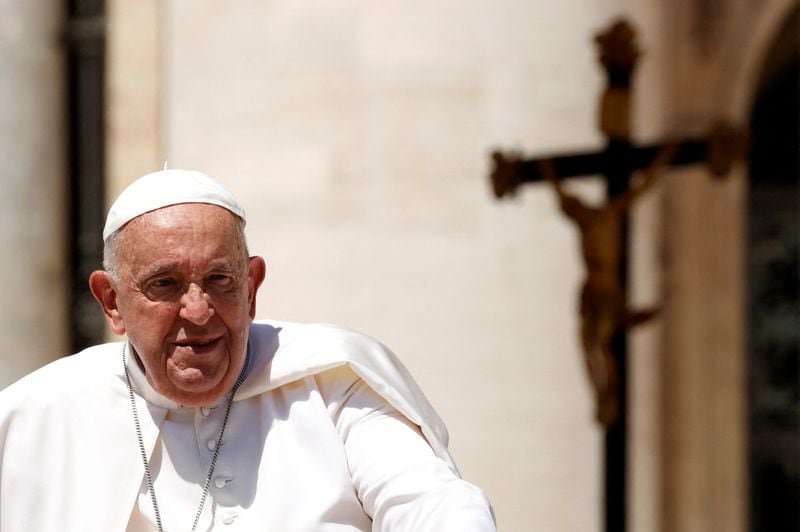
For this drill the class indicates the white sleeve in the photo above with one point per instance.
(403, 486)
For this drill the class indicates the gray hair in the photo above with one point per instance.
(110, 254)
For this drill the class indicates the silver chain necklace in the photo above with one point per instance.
(143, 452)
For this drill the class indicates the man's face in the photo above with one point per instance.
(185, 296)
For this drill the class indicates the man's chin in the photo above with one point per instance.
(193, 387)
(197, 398)
(200, 379)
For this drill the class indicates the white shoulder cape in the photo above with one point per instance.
(69, 457)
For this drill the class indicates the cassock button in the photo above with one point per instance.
(212, 444)
(229, 517)
(220, 482)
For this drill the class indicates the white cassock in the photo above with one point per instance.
(327, 433)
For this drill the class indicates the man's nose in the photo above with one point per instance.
(195, 306)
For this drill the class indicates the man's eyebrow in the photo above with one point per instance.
(225, 267)
(160, 269)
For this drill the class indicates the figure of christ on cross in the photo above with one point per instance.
(603, 229)
(603, 306)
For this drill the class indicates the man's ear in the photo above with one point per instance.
(102, 287)
(256, 271)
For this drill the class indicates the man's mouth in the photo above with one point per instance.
(198, 344)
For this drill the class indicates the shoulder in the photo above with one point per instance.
(324, 340)
(285, 351)
(90, 370)
(311, 332)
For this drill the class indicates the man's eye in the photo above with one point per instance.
(219, 280)
(161, 289)
(162, 285)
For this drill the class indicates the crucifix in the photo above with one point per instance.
(628, 170)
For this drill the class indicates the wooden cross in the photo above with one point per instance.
(604, 236)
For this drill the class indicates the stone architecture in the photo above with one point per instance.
(32, 202)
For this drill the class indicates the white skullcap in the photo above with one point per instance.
(165, 188)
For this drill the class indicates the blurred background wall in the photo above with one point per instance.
(33, 207)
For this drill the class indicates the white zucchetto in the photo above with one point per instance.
(164, 188)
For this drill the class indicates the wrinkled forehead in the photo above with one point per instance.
(185, 216)
(181, 232)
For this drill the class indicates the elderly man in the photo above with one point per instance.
(203, 419)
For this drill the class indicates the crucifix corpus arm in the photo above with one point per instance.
(647, 177)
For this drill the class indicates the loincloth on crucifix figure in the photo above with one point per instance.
(602, 304)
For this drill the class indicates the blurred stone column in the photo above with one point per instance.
(33, 321)
(134, 119)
